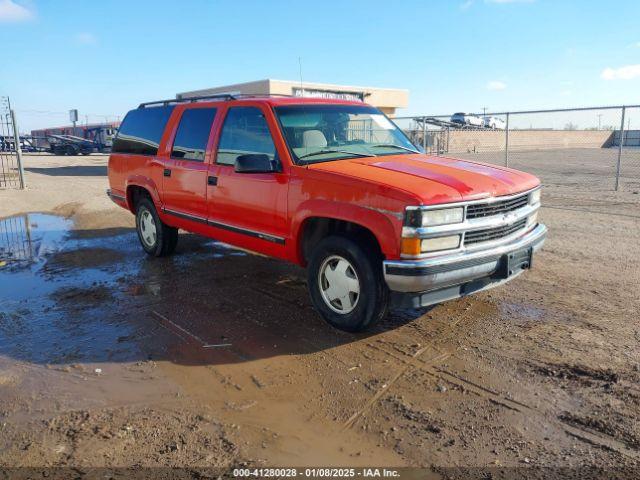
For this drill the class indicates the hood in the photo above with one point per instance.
(435, 179)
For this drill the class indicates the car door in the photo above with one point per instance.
(184, 181)
(249, 209)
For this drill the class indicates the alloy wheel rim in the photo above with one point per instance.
(339, 284)
(147, 228)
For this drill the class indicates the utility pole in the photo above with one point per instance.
(599, 120)
(300, 70)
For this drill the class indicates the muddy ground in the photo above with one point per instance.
(214, 357)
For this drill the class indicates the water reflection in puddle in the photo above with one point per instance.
(37, 257)
(55, 290)
(31, 236)
(70, 296)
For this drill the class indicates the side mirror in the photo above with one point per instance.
(254, 163)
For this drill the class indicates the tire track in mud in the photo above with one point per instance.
(430, 367)
(385, 388)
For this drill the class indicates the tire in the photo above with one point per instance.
(346, 263)
(156, 238)
(71, 151)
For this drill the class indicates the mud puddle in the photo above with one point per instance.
(34, 325)
(68, 296)
(89, 322)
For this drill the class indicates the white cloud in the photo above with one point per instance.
(628, 72)
(466, 4)
(496, 85)
(509, 1)
(85, 38)
(11, 12)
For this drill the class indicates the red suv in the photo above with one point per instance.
(331, 185)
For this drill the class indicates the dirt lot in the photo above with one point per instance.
(214, 357)
(572, 169)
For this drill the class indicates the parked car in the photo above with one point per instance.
(331, 185)
(467, 119)
(494, 123)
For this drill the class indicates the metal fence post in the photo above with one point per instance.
(16, 139)
(448, 139)
(620, 142)
(506, 143)
(424, 134)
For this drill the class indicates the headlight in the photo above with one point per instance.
(417, 217)
(534, 198)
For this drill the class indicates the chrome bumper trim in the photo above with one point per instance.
(115, 196)
(447, 270)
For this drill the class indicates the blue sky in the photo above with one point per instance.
(104, 57)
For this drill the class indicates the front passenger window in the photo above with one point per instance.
(245, 131)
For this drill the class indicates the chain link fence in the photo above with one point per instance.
(597, 148)
(11, 171)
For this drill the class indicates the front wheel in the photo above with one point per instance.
(346, 284)
(156, 238)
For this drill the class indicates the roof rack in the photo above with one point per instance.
(217, 96)
(164, 103)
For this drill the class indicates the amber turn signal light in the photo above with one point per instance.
(410, 246)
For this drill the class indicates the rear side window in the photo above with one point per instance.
(141, 131)
(193, 134)
(245, 131)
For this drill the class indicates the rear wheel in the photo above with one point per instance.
(156, 238)
(346, 284)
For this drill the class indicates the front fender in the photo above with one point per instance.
(386, 226)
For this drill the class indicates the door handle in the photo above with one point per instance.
(212, 180)
(167, 172)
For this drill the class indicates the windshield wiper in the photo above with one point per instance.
(321, 152)
(394, 146)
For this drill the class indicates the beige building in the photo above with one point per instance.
(386, 99)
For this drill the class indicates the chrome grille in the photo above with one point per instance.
(489, 234)
(479, 210)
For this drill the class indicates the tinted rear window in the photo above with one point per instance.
(193, 134)
(141, 131)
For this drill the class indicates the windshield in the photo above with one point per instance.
(322, 133)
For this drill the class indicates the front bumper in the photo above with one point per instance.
(433, 280)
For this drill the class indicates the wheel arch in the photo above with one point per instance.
(368, 225)
(140, 186)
